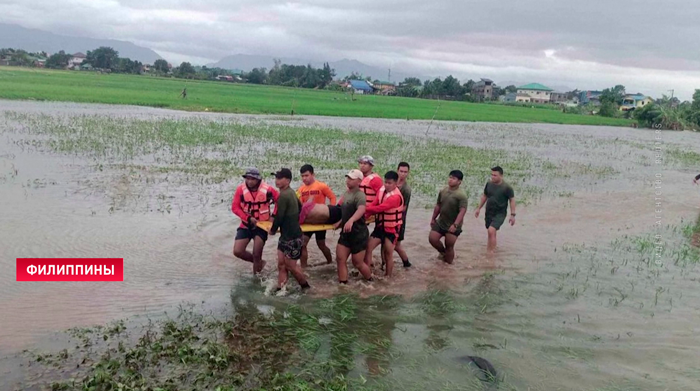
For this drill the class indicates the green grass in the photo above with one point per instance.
(88, 87)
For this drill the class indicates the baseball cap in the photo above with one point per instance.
(355, 174)
(366, 159)
(283, 173)
(252, 173)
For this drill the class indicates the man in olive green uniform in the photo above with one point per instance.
(403, 170)
(287, 220)
(448, 216)
(354, 235)
(497, 195)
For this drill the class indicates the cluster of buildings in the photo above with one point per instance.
(539, 93)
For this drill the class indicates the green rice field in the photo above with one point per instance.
(90, 87)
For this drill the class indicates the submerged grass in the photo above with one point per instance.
(216, 151)
(89, 87)
(292, 347)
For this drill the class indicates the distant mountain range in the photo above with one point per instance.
(14, 36)
(31, 40)
(344, 67)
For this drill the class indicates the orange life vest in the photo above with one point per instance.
(370, 194)
(257, 206)
(392, 218)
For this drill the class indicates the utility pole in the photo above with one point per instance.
(672, 91)
(389, 74)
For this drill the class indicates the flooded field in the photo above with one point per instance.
(596, 287)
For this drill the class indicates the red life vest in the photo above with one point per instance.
(257, 206)
(392, 218)
(370, 194)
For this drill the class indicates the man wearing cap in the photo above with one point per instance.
(371, 182)
(497, 195)
(354, 235)
(448, 216)
(388, 206)
(252, 203)
(287, 220)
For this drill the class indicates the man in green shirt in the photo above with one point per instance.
(448, 216)
(291, 241)
(403, 170)
(354, 235)
(498, 194)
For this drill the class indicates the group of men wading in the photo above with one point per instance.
(366, 196)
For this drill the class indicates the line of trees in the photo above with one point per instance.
(21, 58)
(669, 113)
(304, 76)
(449, 88)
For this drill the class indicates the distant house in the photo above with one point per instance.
(361, 87)
(385, 87)
(483, 89)
(225, 78)
(635, 101)
(558, 97)
(76, 59)
(537, 92)
(86, 67)
(592, 97)
(516, 97)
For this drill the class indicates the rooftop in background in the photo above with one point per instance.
(360, 85)
(535, 87)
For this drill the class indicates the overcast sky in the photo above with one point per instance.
(649, 46)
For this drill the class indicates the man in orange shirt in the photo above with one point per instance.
(388, 207)
(314, 191)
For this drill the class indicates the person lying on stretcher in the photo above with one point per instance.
(319, 214)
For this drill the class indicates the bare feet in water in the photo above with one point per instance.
(258, 270)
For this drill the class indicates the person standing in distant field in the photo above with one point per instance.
(403, 170)
(497, 195)
(287, 220)
(252, 203)
(317, 192)
(448, 216)
(355, 234)
(388, 207)
(183, 94)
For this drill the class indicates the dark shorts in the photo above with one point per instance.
(355, 241)
(335, 214)
(291, 248)
(379, 233)
(444, 232)
(402, 231)
(247, 233)
(320, 235)
(495, 221)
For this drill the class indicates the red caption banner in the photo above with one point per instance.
(70, 269)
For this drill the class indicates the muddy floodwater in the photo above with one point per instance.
(596, 286)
